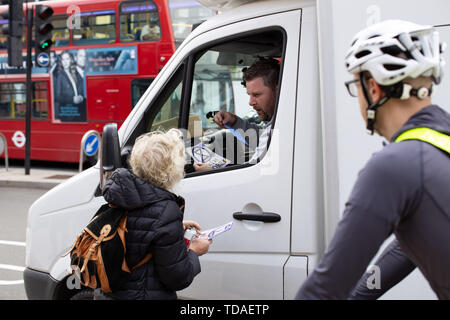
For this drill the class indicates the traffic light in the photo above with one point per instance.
(14, 29)
(43, 35)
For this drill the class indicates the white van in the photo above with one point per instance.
(319, 144)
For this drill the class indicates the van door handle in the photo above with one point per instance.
(263, 216)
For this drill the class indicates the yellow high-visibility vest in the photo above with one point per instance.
(437, 139)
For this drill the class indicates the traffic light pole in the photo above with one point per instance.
(29, 91)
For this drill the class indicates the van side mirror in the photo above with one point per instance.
(110, 158)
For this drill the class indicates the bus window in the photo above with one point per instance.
(12, 100)
(139, 21)
(5, 101)
(138, 87)
(3, 37)
(96, 28)
(61, 35)
(184, 15)
(40, 100)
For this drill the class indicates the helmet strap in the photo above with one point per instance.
(404, 91)
(372, 108)
(399, 90)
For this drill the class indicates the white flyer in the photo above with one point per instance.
(202, 154)
(214, 232)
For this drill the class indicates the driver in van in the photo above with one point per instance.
(261, 83)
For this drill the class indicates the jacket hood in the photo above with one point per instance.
(128, 191)
(432, 117)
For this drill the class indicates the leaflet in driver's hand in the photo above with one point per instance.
(202, 154)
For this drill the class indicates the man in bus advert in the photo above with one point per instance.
(80, 60)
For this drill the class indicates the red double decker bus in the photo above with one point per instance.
(105, 55)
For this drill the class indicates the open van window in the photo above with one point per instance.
(211, 80)
(217, 85)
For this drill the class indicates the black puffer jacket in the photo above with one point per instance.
(154, 226)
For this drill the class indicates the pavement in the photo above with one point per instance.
(39, 178)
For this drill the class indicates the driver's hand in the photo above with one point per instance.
(202, 167)
(223, 118)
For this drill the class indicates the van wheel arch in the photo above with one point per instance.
(62, 292)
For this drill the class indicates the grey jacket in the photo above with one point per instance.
(262, 134)
(394, 265)
(403, 189)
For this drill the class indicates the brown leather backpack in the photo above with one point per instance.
(98, 253)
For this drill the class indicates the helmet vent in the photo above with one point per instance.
(392, 67)
(392, 50)
(362, 54)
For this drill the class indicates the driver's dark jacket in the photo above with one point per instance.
(403, 189)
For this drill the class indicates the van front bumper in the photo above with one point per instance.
(39, 285)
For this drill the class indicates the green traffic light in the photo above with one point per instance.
(42, 32)
(46, 44)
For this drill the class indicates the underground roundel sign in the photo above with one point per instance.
(18, 139)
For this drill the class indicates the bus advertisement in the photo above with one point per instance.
(105, 55)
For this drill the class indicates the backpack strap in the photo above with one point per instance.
(123, 229)
(143, 261)
(122, 237)
(433, 137)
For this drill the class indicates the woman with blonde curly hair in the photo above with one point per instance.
(155, 219)
(159, 158)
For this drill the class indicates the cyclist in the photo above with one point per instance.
(403, 189)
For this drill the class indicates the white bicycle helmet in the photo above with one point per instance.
(393, 50)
